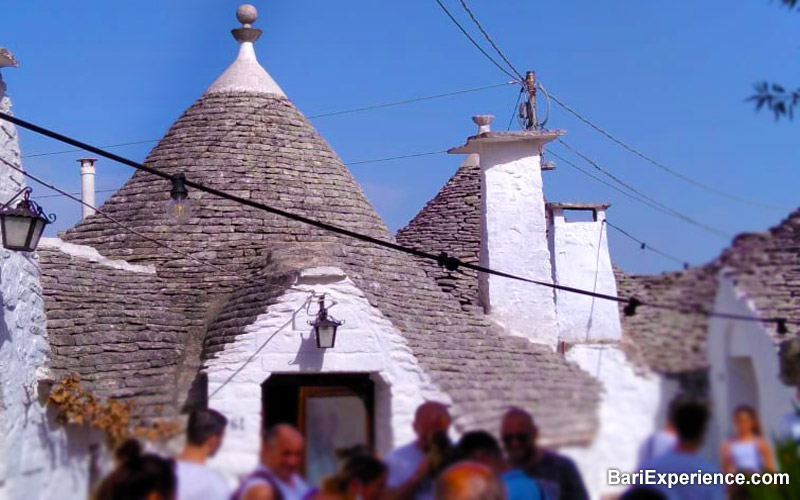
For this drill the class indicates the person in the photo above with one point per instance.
(469, 481)
(138, 476)
(747, 451)
(360, 476)
(661, 441)
(277, 478)
(554, 473)
(481, 447)
(205, 431)
(413, 467)
(691, 419)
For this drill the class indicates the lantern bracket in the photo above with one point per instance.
(27, 205)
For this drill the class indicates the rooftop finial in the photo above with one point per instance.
(247, 15)
(483, 122)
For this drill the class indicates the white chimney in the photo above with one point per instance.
(87, 186)
(579, 243)
(514, 230)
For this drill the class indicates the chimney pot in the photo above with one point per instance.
(483, 122)
(88, 170)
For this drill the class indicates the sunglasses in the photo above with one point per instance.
(520, 437)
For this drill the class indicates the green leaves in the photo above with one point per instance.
(776, 98)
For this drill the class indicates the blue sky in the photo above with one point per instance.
(670, 78)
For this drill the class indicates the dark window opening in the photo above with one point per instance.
(577, 215)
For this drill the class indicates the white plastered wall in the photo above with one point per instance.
(633, 406)
(744, 365)
(581, 260)
(281, 341)
(37, 460)
(513, 240)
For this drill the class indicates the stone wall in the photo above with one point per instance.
(281, 341)
(36, 458)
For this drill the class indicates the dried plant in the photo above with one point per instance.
(78, 406)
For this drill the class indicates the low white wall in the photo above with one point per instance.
(736, 348)
(280, 341)
(582, 260)
(632, 407)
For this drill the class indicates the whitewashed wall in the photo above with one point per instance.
(633, 406)
(36, 459)
(281, 341)
(581, 259)
(745, 368)
(514, 240)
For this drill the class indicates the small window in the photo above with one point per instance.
(573, 215)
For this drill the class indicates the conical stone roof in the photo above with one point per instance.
(251, 141)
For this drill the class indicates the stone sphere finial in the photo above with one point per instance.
(247, 14)
(483, 122)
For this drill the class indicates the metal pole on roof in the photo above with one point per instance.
(530, 85)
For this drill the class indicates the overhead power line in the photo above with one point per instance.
(646, 246)
(490, 40)
(683, 177)
(409, 101)
(654, 203)
(627, 194)
(443, 259)
(472, 40)
(311, 117)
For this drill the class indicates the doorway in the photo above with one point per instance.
(333, 411)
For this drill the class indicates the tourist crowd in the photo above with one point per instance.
(477, 467)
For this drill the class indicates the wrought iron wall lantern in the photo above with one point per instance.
(325, 326)
(23, 224)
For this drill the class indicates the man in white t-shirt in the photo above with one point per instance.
(204, 433)
(410, 467)
(690, 420)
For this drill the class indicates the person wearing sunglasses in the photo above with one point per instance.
(555, 474)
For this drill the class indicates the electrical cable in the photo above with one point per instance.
(658, 205)
(443, 259)
(131, 230)
(515, 111)
(685, 178)
(401, 157)
(490, 40)
(409, 101)
(322, 115)
(476, 44)
(646, 246)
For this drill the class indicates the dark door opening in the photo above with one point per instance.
(332, 411)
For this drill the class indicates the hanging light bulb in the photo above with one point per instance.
(179, 209)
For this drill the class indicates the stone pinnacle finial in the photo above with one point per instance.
(247, 15)
(483, 122)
